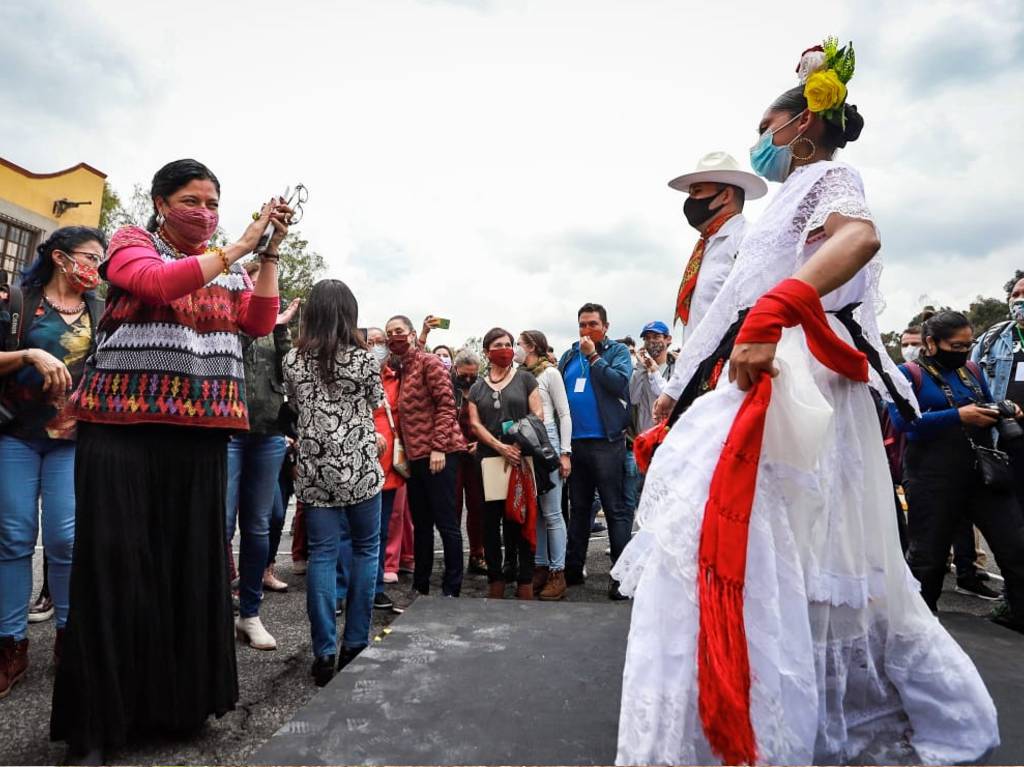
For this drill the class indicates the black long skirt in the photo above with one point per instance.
(149, 644)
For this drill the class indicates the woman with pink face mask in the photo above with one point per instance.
(56, 315)
(149, 640)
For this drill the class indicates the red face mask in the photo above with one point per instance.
(398, 346)
(594, 334)
(81, 277)
(192, 225)
(501, 357)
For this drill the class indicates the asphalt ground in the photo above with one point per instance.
(273, 685)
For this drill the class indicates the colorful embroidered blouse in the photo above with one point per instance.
(168, 349)
(38, 413)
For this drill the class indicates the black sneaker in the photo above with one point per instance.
(985, 575)
(975, 588)
(1001, 614)
(382, 601)
(346, 655)
(597, 528)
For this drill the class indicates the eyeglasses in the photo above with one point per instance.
(496, 397)
(93, 258)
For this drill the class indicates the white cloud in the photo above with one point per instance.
(500, 163)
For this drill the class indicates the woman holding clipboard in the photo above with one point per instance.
(497, 400)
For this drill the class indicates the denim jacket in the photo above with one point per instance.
(997, 364)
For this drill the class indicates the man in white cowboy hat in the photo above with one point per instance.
(717, 190)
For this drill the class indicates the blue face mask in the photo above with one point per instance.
(770, 161)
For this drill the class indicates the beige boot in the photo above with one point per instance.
(251, 631)
(271, 582)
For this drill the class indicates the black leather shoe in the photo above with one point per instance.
(323, 669)
(613, 591)
(346, 655)
(574, 578)
(382, 601)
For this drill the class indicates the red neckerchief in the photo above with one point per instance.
(689, 283)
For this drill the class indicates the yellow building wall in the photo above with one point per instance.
(38, 193)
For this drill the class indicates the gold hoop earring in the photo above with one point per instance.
(809, 154)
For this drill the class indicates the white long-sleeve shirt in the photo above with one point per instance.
(719, 256)
(555, 401)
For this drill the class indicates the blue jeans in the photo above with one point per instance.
(254, 462)
(30, 469)
(551, 534)
(630, 480)
(324, 532)
(387, 504)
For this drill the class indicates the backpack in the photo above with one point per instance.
(917, 373)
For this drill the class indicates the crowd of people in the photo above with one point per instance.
(142, 432)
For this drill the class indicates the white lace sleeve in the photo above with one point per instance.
(840, 191)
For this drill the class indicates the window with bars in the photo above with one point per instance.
(15, 242)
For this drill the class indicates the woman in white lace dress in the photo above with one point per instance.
(846, 662)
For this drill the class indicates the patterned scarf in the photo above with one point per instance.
(539, 366)
(689, 283)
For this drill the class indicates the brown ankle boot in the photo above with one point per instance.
(496, 590)
(13, 663)
(540, 577)
(555, 587)
(524, 591)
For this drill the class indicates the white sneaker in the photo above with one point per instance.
(391, 577)
(251, 631)
(299, 567)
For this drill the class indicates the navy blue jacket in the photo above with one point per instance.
(937, 417)
(610, 374)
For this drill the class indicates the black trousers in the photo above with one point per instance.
(432, 504)
(514, 541)
(945, 492)
(597, 464)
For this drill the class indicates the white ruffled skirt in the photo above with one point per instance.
(847, 662)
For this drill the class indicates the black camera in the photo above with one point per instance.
(1007, 426)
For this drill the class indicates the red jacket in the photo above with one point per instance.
(426, 401)
(392, 479)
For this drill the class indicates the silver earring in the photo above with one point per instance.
(160, 219)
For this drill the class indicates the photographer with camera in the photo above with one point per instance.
(950, 471)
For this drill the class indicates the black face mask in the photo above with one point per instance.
(465, 382)
(949, 359)
(698, 210)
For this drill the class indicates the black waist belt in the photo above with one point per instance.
(845, 316)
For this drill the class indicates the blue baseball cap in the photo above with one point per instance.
(655, 327)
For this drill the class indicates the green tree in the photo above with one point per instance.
(891, 341)
(986, 312)
(299, 267)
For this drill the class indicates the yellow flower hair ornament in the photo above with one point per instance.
(824, 71)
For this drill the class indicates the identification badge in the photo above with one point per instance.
(1019, 375)
(581, 385)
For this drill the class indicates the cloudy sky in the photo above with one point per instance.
(504, 161)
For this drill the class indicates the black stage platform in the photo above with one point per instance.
(475, 681)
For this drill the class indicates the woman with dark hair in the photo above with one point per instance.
(503, 396)
(149, 643)
(775, 620)
(42, 358)
(445, 354)
(549, 561)
(941, 477)
(334, 385)
(432, 440)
